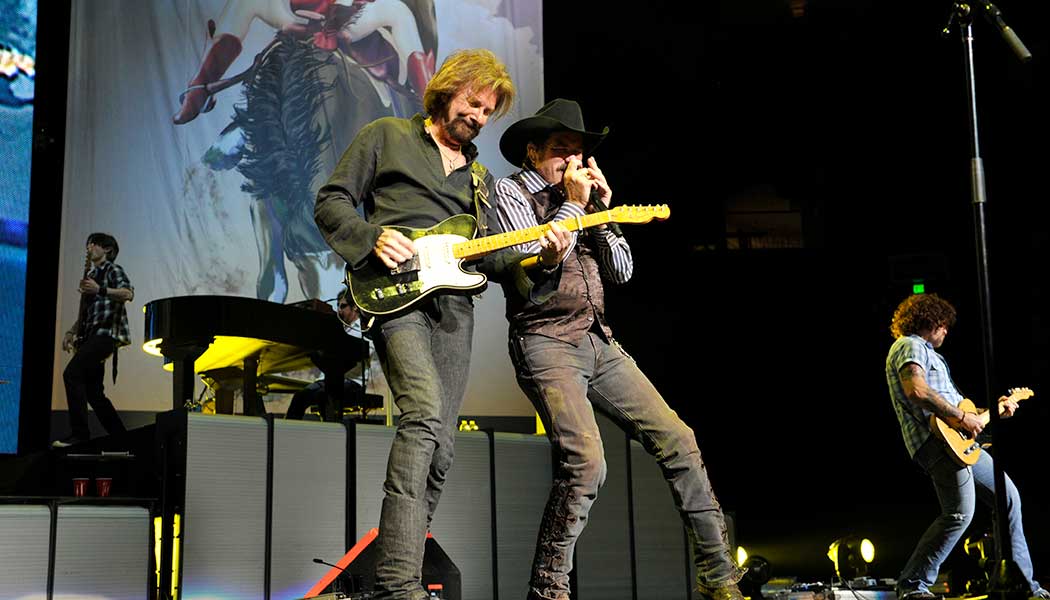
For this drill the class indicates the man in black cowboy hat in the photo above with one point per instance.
(568, 363)
(417, 173)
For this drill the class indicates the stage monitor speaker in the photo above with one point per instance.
(354, 574)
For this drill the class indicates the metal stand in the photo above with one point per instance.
(1007, 582)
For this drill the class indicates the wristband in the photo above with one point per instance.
(102, 291)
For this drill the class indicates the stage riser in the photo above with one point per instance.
(309, 503)
(25, 539)
(99, 551)
(603, 553)
(224, 539)
(224, 519)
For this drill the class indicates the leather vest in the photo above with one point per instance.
(579, 304)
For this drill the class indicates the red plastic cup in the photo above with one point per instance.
(80, 485)
(103, 485)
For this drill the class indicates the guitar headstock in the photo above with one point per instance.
(1017, 394)
(640, 214)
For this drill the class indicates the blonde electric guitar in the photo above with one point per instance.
(963, 449)
(442, 249)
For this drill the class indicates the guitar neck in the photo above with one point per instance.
(986, 416)
(484, 245)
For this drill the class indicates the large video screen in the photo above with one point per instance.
(17, 73)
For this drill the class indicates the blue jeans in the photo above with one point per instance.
(958, 489)
(425, 356)
(565, 383)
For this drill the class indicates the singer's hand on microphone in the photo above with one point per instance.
(599, 183)
(578, 182)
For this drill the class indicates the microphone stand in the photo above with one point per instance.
(349, 588)
(1006, 582)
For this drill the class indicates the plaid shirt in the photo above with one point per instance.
(104, 315)
(914, 420)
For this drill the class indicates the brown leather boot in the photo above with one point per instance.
(220, 56)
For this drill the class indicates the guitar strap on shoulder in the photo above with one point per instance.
(481, 194)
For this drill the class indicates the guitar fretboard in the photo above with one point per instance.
(484, 245)
(986, 416)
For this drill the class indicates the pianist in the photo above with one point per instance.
(353, 383)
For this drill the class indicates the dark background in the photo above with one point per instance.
(856, 112)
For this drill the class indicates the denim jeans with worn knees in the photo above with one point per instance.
(426, 358)
(565, 383)
(958, 489)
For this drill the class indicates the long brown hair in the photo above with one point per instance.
(473, 69)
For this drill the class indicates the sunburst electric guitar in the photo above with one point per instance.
(441, 250)
(963, 449)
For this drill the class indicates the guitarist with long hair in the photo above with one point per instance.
(568, 363)
(920, 385)
(100, 329)
(398, 179)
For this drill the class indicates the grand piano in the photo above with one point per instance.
(248, 341)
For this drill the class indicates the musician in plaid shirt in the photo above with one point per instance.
(101, 327)
(921, 385)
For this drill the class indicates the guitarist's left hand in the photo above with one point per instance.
(88, 286)
(554, 245)
(1009, 407)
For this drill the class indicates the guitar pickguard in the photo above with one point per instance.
(379, 290)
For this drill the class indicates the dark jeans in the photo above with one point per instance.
(565, 383)
(426, 357)
(84, 376)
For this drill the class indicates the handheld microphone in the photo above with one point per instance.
(596, 201)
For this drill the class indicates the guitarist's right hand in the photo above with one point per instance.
(67, 342)
(969, 423)
(393, 248)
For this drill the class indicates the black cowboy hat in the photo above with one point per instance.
(557, 115)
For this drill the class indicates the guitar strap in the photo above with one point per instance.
(481, 194)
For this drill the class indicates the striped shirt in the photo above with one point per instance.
(515, 212)
(914, 420)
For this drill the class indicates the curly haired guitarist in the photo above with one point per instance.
(920, 386)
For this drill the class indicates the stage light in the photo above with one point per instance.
(741, 556)
(973, 574)
(979, 547)
(759, 570)
(851, 556)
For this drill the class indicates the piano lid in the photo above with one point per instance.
(233, 328)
